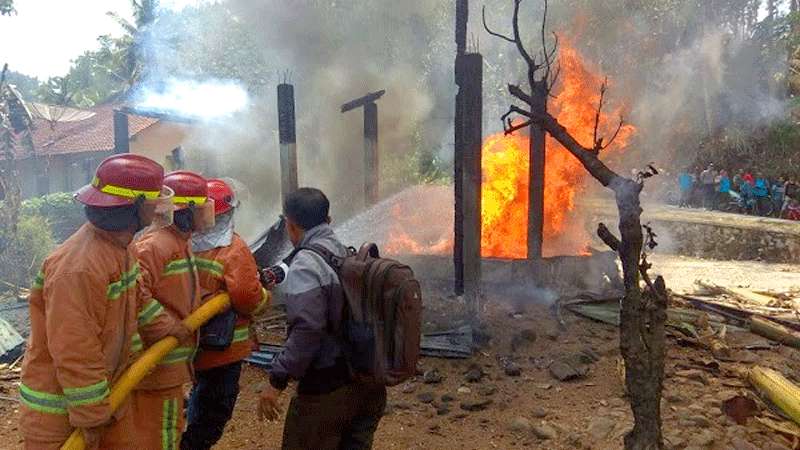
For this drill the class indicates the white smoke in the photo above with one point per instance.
(202, 100)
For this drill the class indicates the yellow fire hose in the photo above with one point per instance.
(148, 361)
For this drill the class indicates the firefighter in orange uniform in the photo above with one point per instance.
(225, 263)
(84, 310)
(170, 277)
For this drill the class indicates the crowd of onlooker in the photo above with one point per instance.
(743, 191)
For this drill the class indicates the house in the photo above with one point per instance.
(68, 144)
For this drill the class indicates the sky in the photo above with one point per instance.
(46, 35)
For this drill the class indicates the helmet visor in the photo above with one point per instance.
(204, 217)
(159, 212)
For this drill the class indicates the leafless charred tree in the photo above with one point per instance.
(643, 311)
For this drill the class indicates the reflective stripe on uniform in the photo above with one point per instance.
(126, 281)
(149, 312)
(43, 402)
(38, 282)
(241, 334)
(211, 266)
(169, 424)
(87, 395)
(179, 266)
(179, 355)
(136, 343)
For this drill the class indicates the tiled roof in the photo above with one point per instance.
(95, 134)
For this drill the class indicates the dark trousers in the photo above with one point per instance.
(211, 406)
(345, 419)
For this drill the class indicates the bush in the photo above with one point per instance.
(23, 257)
(63, 213)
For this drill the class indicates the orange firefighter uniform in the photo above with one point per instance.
(170, 276)
(84, 310)
(234, 270)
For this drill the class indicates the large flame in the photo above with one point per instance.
(506, 166)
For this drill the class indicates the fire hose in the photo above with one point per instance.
(148, 361)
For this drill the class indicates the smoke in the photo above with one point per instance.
(204, 100)
(220, 63)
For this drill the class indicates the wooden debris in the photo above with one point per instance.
(742, 295)
(774, 331)
(782, 392)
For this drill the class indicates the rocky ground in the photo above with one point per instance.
(507, 396)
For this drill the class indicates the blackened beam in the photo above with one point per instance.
(365, 100)
(288, 139)
(122, 143)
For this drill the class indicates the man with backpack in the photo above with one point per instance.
(331, 410)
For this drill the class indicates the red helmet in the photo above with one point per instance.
(223, 196)
(189, 188)
(121, 179)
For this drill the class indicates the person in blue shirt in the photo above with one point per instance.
(685, 182)
(761, 187)
(724, 183)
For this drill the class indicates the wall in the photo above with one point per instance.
(158, 140)
(60, 173)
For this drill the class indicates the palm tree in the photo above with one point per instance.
(128, 53)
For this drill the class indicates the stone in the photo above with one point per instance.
(475, 374)
(552, 334)
(461, 415)
(432, 377)
(512, 369)
(693, 374)
(408, 388)
(464, 390)
(674, 439)
(703, 439)
(545, 431)
(522, 338)
(487, 391)
(476, 405)
(600, 428)
(738, 443)
(700, 421)
(402, 405)
(539, 412)
(447, 398)
(425, 397)
(674, 398)
(442, 410)
(570, 367)
(520, 425)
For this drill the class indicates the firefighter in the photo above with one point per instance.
(225, 263)
(84, 311)
(170, 278)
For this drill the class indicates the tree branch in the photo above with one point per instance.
(493, 33)
(517, 91)
(510, 129)
(608, 237)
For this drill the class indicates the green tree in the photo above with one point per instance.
(7, 7)
(26, 85)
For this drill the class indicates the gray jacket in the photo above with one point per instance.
(314, 302)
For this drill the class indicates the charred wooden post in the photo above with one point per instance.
(121, 134)
(470, 154)
(371, 158)
(537, 168)
(288, 139)
(462, 17)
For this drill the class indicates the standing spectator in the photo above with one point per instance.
(749, 179)
(707, 179)
(685, 183)
(790, 194)
(737, 181)
(724, 187)
(778, 195)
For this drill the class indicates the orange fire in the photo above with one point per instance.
(506, 166)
